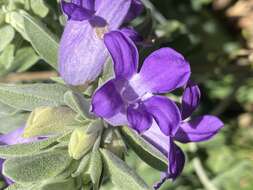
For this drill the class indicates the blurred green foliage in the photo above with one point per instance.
(209, 43)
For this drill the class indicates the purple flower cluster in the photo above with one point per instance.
(136, 96)
(135, 99)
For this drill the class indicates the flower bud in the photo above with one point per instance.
(49, 120)
(81, 142)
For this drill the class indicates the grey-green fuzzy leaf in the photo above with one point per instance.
(17, 150)
(42, 40)
(121, 174)
(147, 152)
(95, 169)
(28, 97)
(38, 167)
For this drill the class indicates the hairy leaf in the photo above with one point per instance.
(78, 103)
(42, 40)
(7, 35)
(38, 167)
(121, 174)
(12, 122)
(145, 150)
(95, 169)
(17, 150)
(28, 97)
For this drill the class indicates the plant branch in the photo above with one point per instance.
(28, 76)
(206, 182)
(157, 15)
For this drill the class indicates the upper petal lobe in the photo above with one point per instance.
(124, 54)
(113, 11)
(164, 70)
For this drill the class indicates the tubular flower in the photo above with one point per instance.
(132, 97)
(82, 51)
(14, 137)
(197, 129)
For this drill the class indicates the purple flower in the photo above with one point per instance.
(196, 130)
(14, 137)
(82, 51)
(135, 10)
(132, 97)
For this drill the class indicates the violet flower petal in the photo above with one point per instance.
(88, 4)
(15, 137)
(82, 53)
(163, 71)
(154, 136)
(113, 11)
(135, 10)
(106, 101)
(190, 100)
(165, 113)
(132, 34)
(139, 119)
(199, 129)
(176, 164)
(176, 161)
(124, 54)
(75, 12)
(119, 119)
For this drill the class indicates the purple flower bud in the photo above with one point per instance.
(82, 51)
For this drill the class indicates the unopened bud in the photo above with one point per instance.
(49, 120)
(81, 142)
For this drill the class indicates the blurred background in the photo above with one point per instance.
(216, 36)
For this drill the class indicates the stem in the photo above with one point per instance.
(157, 15)
(28, 76)
(206, 182)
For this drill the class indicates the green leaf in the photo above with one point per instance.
(16, 186)
(7, 35)
(25, 58)
(67, 184)
(42, 40)
(6, 58)
(6, 110)
(121, 174)
(29, 96)
(78, 103)
(11, 122)
(16, 20)
(147, 152)
(39, 7)
(36, 168)
(95, 168)
(82, 166)
(17, 150)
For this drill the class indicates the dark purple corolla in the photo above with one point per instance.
(197, 129)
(132, 97)
(14, 137)
(82, 51)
